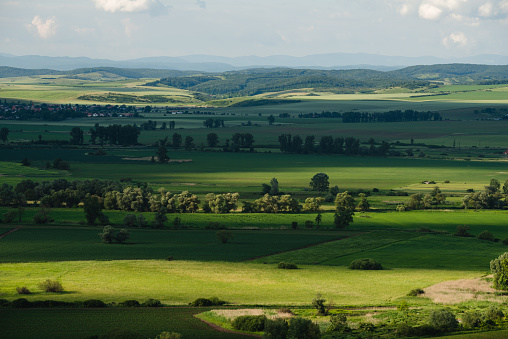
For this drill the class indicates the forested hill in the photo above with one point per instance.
(257, 81)
(111, 72)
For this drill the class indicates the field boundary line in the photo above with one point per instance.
(11, 231)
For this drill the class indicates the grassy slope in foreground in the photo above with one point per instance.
(179, 282)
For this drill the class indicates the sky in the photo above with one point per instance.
(128, 29)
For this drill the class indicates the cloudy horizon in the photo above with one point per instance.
(128, 29)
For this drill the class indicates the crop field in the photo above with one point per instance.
(85, 323)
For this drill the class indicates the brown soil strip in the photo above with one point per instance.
(9, 232)
(301, 248)
(220, 329)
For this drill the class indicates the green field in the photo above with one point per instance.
(85, 323)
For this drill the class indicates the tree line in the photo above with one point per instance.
(330, 145)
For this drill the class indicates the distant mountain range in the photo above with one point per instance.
(208, 63)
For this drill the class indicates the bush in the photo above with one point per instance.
(415, 292)
(365, 264)
(493, 314)
(319, 304)
(294, 225)
(107, 235)
(486, 235)
(309, 224)
(224, 236)
(23, 290)
(94, 303)
(103, 219)
(122, 236)
(249, 323)
(287, 266)
(21, 303)
(201, 302)
(338, 323)
(471, 319)
(10, 216)
(130, 220)
(505, 241)
(462, 231)
(51, 286)
(130, 303)
(141, 221)
(42, 217)
(167, 335)
(152, 303)
(303, 328)
(276, 329)
(213, 301)
(443, 319)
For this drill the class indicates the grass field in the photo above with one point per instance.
(180, 282)
(67, 244)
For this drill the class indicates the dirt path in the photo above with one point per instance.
(220, 329)
(11, 231)
(304, 247)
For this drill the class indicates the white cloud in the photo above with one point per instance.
(404, 9)
(457, 39)
(45, 29)
(429, 12)
(131, 6)
(486, 9)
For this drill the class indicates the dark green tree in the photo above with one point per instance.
(162, 151)
(177, 140)
(345, 207)
(4, 133)
(271, 120)
(319, 182)
(212, 139)
(76, 136)
(92, 208)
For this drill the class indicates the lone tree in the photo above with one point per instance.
(212, 139)
(499, 268)
(274, 189)
(92, 208)
(319, 182)
(162, 151)
(345, 209)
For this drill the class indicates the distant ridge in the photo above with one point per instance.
(208, 63)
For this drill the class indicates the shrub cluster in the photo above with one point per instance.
(213, 301)
(249, 323)
(287, 266)
(51, 286)
(365, 264)
(91, 303)
(415, 292)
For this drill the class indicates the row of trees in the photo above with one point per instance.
(390, 116)
(330, 145)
